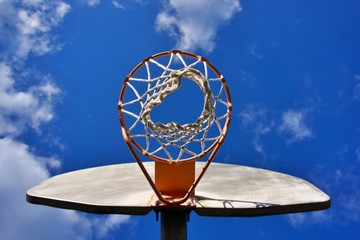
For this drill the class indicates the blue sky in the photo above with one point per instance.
(294, 74)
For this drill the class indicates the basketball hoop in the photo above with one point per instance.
(172, 143)
(226, 189)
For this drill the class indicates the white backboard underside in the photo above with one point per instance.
(225, 190)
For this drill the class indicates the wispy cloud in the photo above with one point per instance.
(259, 121)
(298, 220)
(247, 78)
(295, 124)
(254, 118)
(252, 51)
(93, 3)
(117, 4)
(194, 24)
(260, 130)
(343, 186)
(251, 113)
(357, 154)
(347, 190)
(357, 88)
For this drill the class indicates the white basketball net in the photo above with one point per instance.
(173, 139)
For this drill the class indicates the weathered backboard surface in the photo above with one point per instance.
(225, 190)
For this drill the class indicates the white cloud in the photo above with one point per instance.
(25, 26)
(194, 24)
(20, 169)
(22, 108)
(357, 88)
(93, 3)
(298, 220)
(105, 225)
(25, 29)
(294, 123)
(117, 4)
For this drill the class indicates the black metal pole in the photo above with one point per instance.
(173, 225)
